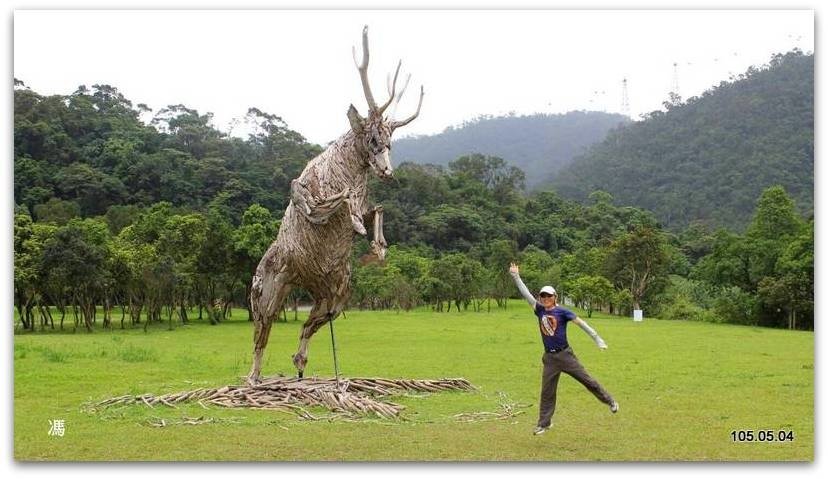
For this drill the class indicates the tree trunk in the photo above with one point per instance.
(45, 316)
(88, 311)
(75, 314)
(107, 321)
(51, 319)
(20, 313)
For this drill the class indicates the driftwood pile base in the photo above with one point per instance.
(351, 396)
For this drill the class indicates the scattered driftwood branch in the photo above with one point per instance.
(508, 409)
(350, 397)
(189, 421)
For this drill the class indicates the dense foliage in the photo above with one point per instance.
(91, 149)
(710, 157)
(538, 144)
(147, 221)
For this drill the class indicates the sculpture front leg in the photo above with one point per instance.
(379, 246)
(356, 220)
(316, 210)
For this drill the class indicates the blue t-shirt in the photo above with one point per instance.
(552, 323)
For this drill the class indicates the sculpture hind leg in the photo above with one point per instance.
(267, 294)
(324, 310)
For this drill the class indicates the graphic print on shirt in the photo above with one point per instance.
(548, 325)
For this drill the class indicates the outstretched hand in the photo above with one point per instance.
(513, 268)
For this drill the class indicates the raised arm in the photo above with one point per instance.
(591, 332)
(524, 291)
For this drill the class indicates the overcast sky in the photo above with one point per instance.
(298, 64)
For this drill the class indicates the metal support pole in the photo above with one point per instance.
(333, 345)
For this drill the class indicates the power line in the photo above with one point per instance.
(675, 86)
(625, 99)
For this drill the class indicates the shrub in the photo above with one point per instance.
(736, 306)
(684, 309)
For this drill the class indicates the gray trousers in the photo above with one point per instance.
(553, 365)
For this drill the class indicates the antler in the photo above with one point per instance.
(397, 124)
(366, 87)
(363, 70)
(393, 86)
(396, 101)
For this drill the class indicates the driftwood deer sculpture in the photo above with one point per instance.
(328, 205)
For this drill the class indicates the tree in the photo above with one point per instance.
(459, 279)
(217, 269)
(191, 131)
(734, 261)
(584, 261)
(637, 261)
(493, 172)
(374, 286)
(496, 256)
(135, 259)
(791, 288)
(775, 217)
(250, 241)
(56, 211)
(93, 190)
(537, 268)
(179, 243)
(77, 257)
(26, 262)
(591, 291)
(120, 216)
(696, 241)
(32, 181)
(451, 227)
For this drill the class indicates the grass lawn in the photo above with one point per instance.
(682, 386)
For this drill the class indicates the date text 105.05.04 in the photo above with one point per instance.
(761, 435)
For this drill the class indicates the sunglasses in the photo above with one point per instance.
(546, 295)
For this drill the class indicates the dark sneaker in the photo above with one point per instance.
(540, 430)
(614, 407)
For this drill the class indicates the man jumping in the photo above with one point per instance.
(558, 356)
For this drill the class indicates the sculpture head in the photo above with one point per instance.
(373, 133)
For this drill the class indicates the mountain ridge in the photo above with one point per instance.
(538, 143)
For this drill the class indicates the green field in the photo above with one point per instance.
(682, 386)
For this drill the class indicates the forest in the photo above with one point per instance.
(121, 223)
(709, 157)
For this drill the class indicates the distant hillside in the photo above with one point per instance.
(711, 157)
(537, 144)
